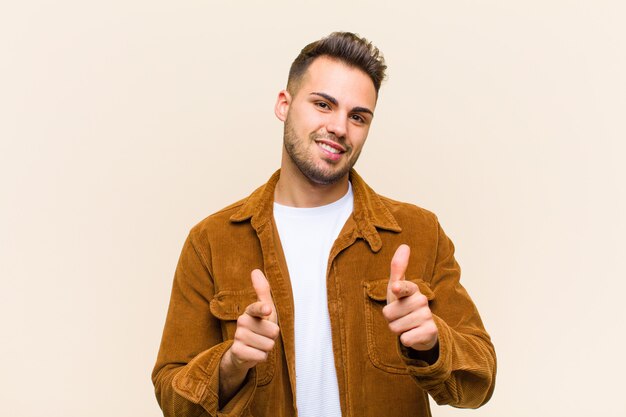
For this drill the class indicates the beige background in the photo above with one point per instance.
(123, 123)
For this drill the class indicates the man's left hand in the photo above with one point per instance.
(407, 309)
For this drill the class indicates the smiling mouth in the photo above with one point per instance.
(332, 152)
(330, 145)
(329, 148)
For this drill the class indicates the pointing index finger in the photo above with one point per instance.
(261, 286)
(399, 263)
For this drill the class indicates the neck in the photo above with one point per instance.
(296, 190)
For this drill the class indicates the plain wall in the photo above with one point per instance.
(124, 123)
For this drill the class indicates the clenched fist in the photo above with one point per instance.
(407, 309)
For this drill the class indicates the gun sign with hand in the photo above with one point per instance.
(407, 309)
(255, 336)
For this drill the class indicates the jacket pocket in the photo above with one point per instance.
(382, 344)
(227, 306)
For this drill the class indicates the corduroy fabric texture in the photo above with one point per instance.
(377, 376)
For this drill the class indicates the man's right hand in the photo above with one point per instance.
(256, 332)
(256, 327)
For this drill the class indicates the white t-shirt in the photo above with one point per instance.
(307, 235)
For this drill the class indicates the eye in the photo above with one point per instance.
(322, 105)
(358, 118)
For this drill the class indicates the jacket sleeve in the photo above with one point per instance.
(463, 374)
(186, 374)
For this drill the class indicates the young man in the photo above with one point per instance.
(316, 296)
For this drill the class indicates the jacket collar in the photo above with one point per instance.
(369, 214)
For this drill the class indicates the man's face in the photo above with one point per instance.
(327, 120)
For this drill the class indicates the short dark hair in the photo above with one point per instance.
(347, 47)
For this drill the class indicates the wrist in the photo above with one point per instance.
(229, 364)
(231, 378)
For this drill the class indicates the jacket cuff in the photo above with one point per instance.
(199, 383)
(428, 375)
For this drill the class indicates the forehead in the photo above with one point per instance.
(349, 85)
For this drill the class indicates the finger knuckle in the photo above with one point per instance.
(239, 332)
(387, 312)
(236, 349)
(428, 317)
(242, 320)
(395, 329)
(274, 332)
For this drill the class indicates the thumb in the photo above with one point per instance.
(399, 264)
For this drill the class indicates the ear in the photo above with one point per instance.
(282, 105)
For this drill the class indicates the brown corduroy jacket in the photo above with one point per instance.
(377, 376)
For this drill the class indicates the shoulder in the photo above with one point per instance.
(402, 210)
(409, 215)
(219, 220)
(216, 234)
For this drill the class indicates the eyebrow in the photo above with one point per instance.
(334, 101)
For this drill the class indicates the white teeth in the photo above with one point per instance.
(329, 148)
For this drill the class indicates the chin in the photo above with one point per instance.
(325, 178)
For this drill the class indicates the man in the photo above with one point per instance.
(316, 296)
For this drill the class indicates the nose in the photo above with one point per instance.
(337, 124)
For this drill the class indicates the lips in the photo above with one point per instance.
(331, 146)
(331, 151)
